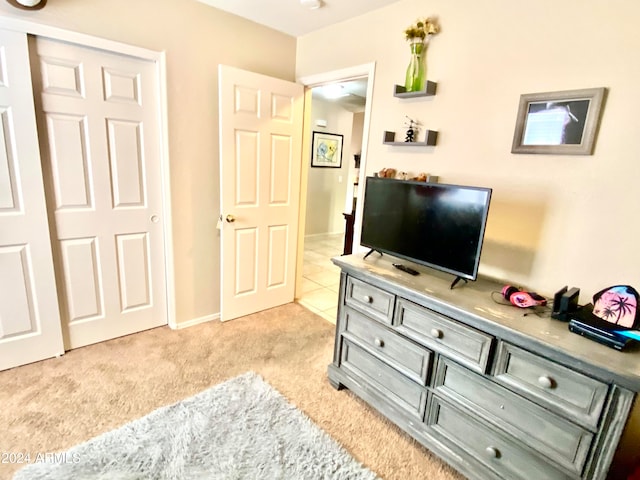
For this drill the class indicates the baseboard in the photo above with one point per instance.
(196, 321)
(314, 235)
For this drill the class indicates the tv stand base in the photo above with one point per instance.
(455, 282)
(370, 252)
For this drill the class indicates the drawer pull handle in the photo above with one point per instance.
(546, 382)
(379, 342)
(436, 333)
(492, 452)
(368, 299)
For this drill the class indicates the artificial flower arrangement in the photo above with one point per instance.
(418, 36)
(421, 28)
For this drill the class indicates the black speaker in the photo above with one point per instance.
(565, 301)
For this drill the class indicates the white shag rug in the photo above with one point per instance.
(240, 429)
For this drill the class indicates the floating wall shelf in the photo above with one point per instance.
(430, 140)
(429, 90)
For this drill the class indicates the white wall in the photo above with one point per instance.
(554, 220)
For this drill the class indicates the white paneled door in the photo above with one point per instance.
(99, 134)
(260, 151)
(29, 314)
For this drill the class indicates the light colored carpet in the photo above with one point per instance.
(53, 405)
(240, 429)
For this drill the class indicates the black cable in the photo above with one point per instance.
(502, 301)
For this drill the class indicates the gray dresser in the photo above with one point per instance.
(494, 392)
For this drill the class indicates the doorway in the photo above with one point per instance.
(339, 106)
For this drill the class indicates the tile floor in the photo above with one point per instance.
(320, 277)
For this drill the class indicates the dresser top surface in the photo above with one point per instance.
(477, 304)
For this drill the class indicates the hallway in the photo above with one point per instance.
(321, 278)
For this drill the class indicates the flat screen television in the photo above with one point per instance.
(437, 225)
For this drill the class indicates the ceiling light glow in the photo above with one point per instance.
(334, 90)
(311, 4)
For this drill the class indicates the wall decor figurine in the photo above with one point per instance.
(412, 130)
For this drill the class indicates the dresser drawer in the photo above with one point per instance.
(371, 300)
(444, 335)
(394, 386)
(404, 355)
(557, 387)
(558, 439)
(499, 452)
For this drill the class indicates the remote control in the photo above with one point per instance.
(404, 268)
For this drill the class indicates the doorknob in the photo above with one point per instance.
(230, 218)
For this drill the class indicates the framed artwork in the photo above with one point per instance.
(326, 150)
(559, 123)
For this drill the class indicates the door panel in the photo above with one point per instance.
(125, 154)
(281, 157)
(101, 162)
(246, 274)
(260, 149)
(17, 294)
(82, 278)
(246, 169)
(278, 247)
(133, 270)
(121, 86)
(62, 77)
(69, 160)
(9, 199)
(29, 311)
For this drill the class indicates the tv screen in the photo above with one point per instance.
(436, 225)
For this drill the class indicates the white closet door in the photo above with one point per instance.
(98, 113)
(29, 313)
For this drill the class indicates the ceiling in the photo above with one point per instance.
(291, 17)
(295, 19)
(353, 94)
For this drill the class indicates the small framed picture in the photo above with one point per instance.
(326, 150)
(560, 123)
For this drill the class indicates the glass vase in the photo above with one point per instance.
(416, 71)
